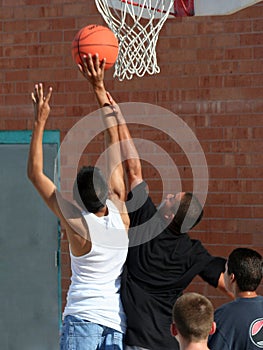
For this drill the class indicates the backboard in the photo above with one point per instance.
(222, 7)
(145, 8)
(184, 7)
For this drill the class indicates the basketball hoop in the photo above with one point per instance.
(136, 24)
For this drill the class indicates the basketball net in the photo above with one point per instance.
(136, 24)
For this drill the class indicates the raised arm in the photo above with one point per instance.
(69, 214)
(42, 183)
(131, 158)
(93, 71)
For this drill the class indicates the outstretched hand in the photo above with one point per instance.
(93, 70)
(41, 103)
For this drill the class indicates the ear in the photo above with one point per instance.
(173, 330)
(213, 328)
(232, 278)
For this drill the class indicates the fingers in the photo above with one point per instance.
(96, 62)
(91, 65)
(40, 91)
(102, 64)
(38, 94)
(33, 97)
(80, 68)
(49, 94)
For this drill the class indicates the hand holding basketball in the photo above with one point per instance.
(93, 69)
(95, 39)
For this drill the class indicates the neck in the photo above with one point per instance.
(202, 345)
(248, 294)
(195, 346)
(102, 212)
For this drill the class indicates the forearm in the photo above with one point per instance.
(129, 151)
(101, 94)
(114, 163)
(35, 158)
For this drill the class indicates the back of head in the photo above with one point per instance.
(90, 189)
(193, 315)
(246, 264)
(189, 213)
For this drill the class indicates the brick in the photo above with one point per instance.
(237, 159)
(243, 53)
(257, 25)
(233, 107)
(250, 146)
(227, 146)
(234, 26)
(257, 212)
(192, 69)
(15, 26)
(252, 119)
(251, 172)
(251, 66)
(238, 80)
(15, 124)
(209, 133)
(258, 52)
(16, 99)
(254, 12)
(49, 37)
(251, 39)
(211, 27)
(237, 133)
(223, 172)
(6, 13)
(257, 159)
(211, 81)
(223, 67)
(211, 54)
(250, 226)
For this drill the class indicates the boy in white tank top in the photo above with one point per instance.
(96, 229)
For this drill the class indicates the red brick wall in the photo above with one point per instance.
(211, 76)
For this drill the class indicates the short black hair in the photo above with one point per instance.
(189, 213)
(247, 266)
(90, 189)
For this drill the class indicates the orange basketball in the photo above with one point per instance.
(95, 39)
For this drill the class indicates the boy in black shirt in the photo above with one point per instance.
(162, 259)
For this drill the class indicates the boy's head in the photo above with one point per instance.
(245, 267)
(90, 189)
(193, 318)
(182, 211)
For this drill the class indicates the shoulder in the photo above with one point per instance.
(138, 197)
(118, 209)
(138, 188)
(230, 308)
(198, 248)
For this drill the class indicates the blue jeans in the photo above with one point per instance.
(78, 334)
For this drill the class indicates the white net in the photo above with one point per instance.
(136, 24)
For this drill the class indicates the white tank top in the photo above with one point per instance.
(94, 293)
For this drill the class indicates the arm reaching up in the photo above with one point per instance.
(93, 71)
(132, 161)
(77, 232)
(43, 184)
